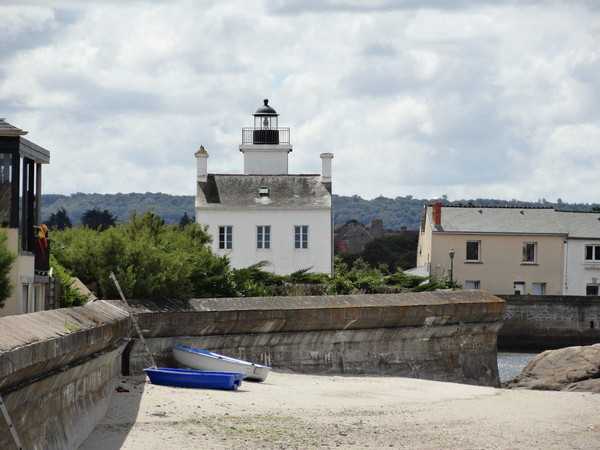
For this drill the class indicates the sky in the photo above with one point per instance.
(468, 99)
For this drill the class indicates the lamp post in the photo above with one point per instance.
(451, 254)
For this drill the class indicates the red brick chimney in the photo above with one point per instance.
(437, 213)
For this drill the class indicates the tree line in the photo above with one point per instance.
(395, 212)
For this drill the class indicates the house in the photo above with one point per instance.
(267, 214)
(501, 250)
(352, 237)
(20, 213)
(582, 252)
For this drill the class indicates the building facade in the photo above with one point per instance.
(267, 214)
(20, 214)
(501, 250)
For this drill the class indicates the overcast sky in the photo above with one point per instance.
(462, 98)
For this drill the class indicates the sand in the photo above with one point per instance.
(290, 411)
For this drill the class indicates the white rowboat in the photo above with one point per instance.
(205, 360)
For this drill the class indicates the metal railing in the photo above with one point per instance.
(271, 136)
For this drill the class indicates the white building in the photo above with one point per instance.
(267, 214)
(582, 252)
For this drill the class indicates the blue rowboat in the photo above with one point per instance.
(205, 360)
(198, 379)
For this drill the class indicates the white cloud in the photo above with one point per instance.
(492, 99)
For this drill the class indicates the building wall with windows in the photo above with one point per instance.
(20, 209)
(501, 250)
(282, 252)
(499, 267)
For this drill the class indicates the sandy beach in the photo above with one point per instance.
(290, 411)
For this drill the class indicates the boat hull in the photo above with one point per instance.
(197, 379)
(206, 360)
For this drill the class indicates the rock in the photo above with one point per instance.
(569, 369)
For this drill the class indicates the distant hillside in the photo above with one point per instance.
(395, 212)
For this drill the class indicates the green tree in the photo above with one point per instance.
(150, 259)
(59, 220)
(97, 219)
(7, 259)
(69, 295)
(185, 220)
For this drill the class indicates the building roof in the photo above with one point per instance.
(263, 191)
(499, 220)
(581, 224)
(6, 129)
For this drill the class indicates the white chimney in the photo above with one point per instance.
(326, 169)
(201, 165)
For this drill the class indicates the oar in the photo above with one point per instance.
(137, 327)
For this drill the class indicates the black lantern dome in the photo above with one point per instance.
(266, 125)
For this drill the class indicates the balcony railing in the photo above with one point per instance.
(272, 136)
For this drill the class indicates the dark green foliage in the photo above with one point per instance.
(96, 219)
(69, 296)
(59, 220)
(7, 259)
(185, 220)
(395, 212)
(393, 251)
(151, 260)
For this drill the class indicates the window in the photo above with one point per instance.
(301, 236)
(225, 237)
(473, 250)
(592, 252)
(263, 237)
(529, 252)
(471, 285)
(538, 289)
(591, 289)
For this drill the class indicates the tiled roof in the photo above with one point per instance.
(6, 129)
(500, 220)
(581, 224)
(242, 191)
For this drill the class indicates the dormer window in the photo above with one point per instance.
(263, 191)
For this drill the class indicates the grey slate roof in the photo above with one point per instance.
(499, 220)
(581, 224)
(242, 191)
(6, 129)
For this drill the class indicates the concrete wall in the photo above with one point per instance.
(57, 371)
(549, 322)
(446, 336)
(58, 368)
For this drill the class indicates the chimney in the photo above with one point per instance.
(201, 165)
(437, 213)
(326, 167)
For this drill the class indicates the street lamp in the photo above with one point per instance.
(451, 254)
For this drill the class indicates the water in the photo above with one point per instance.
(512, 364)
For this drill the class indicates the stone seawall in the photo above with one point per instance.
(58, 368)
(533, 322)
(57, 371)
(441, 336)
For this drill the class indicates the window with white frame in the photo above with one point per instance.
(263, 237)
(592, 253)
(474, 251)
(225, 237)
(538, 288)
(471, 285)
(301, 236)
(529, 252)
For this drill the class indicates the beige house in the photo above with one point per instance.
(20, 208)
(501, 250)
